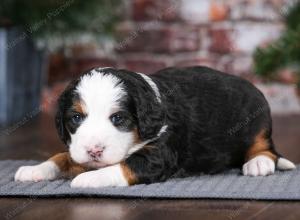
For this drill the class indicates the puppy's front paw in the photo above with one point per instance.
(44, 171)
(259, 166)
(109, 176)
(88, 179)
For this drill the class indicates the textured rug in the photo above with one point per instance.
(229, 185)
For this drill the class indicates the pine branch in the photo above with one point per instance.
(283, 52)
(55, 17)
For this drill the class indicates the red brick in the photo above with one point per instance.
(159, 39)
(218, 11)
(145, 10)
(220, 40)
(144, 65)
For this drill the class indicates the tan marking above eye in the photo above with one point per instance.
(79, 107)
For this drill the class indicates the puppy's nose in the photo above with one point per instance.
(95, 151)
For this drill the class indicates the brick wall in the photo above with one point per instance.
(158, 33)
(155, 34)
(221, 34)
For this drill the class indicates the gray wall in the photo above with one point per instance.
(3, 89)
(21, 76)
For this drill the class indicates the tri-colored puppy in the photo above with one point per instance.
(125, 128)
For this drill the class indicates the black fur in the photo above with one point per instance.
(149, 114)
(212, 118)
(65, 102)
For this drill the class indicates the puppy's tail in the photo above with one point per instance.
(285, 164)
(282, 163)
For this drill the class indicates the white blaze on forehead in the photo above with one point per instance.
(100, 92)
(100, 95)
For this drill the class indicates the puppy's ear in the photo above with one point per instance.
(60, 120)
(148, 110)
(64, 102)
(150, 113)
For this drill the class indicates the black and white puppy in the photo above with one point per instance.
(125, 128)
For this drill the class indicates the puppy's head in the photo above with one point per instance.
(107, 114)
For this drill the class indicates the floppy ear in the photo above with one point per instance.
(60, 120)
(64, 101)
(149, 112)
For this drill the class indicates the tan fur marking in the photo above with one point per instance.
(149, 146)
(66, 165)
(260, 147)
(79, 107)
(136, 137)
(137, 140)
(128, 174)
(269, 154)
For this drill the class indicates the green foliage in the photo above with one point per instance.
(267, 60)
(42, 18)
(293, 17)
(283, 52)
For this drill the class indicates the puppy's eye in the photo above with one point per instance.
(76, 119)
(116, 119)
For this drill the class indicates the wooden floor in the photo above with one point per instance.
(36, 139)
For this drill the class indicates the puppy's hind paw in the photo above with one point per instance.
(259, 166)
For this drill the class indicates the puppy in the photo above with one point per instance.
(123, 128)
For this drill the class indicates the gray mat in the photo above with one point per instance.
(229, 185)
